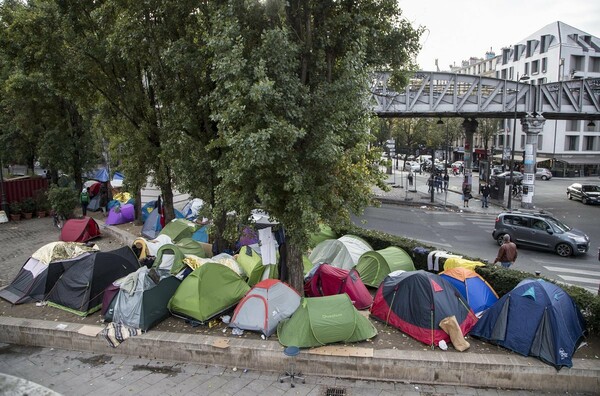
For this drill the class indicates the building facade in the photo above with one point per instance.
(557, 52)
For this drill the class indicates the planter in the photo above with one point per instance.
(27, 215)
(41, 213)
(15, 216)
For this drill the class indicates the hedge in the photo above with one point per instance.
(501, 279)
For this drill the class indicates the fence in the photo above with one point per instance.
(21, 188)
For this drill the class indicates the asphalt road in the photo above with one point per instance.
(470, 233)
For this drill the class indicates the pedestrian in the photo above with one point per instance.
(410, 178)
(485, 193)
(466, 195)
(446, 180)
(430, 183)
(438, 183)
(507, 254)
(84, 198)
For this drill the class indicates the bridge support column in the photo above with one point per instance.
(532, 125)
(470, 127)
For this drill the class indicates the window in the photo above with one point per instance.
(544, 65)
(577, 63)
(535, 67)
(501, 140)
(527, 68)
(511, 73)
(522, 141)
(594, 64)
(572, 125)
(545, 43)
(589, 143)
(571, 143)
(503, 76)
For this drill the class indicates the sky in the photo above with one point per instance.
(457, 30)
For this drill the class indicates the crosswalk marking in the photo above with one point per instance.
(451, 223)
(579, 279)
(573, 271)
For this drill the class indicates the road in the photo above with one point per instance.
(470, 233)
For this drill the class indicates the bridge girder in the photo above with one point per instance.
(439, 94)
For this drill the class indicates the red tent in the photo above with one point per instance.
(328, 280)
(80, 230)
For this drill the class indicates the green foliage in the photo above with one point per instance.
(63, 200)
(15, 207)
(28, 205)
(41, 200)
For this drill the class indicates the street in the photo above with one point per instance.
(469, 233)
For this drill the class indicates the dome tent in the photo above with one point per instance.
(478, 293)
(328, 280)
(343, 252)
(375, 265)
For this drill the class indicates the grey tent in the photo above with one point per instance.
(145, 305)
(269, 302)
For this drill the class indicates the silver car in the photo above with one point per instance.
(543, 173)
(540, 231)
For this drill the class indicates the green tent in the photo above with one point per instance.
(375, 265)
(178, 229)
(251, 262)
(324, 320)
(170, 256)
(325, 232)
(208, 291)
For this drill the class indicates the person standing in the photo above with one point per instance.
(84, 198)
(507, 254)
(410, 178)
(485, 193)
(446, 180)
(466, 195)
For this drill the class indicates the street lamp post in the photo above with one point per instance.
(4, 204)
(514, 136)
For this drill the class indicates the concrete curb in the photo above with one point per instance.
(437, 367)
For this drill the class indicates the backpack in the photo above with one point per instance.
(85, 197)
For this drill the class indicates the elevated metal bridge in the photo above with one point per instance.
(438, 94)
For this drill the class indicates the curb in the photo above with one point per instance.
(440, 368)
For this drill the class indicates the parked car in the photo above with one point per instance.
(540, 231)
(496, 170)
(517, 176)
(412, 166)
(587, 193)
(543, 173)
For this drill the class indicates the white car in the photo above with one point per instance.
(543, 173)
(412, 166)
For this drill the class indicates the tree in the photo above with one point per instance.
(290, 103)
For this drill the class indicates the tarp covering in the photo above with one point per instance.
(457, 262)
(268, 303)
(536, 318)
(324, 320)
(208, 291)
(343, 252)
(375, 265)
(415, 302)
(478, 293)
(79, 230)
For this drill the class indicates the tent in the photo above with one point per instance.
(325, 320)
(458, 262)
(178, 229)
(120, 214)
(478, 293)
(328, 280)
(94, 204)
(80, 287)
(152, 225)
(79, 230)
(169, 258)
(146, 305)
(207, 292)
(144, 248)
(250, 260)
(268, 303)
(536, 318)
(325, 232)
(343, 252)
(415, 302)
(375, 265)
(41, 271)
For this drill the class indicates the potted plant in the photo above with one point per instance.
(63, 200)
(28, 207)
(15, 211)
(41, 203)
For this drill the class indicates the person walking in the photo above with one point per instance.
(507, 254)
(410, 178)
(466, 195)
(485, 193)
(84, 198)
(446, 180)
(438, 183)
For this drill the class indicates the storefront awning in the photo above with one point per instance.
(519, 158)
(579, 160)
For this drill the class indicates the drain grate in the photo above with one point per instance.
(335, 392)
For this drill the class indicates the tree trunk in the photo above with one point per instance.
(138, 207)
(295, 267)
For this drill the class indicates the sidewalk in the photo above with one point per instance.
(358, 363)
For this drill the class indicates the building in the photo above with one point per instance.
(557, 52)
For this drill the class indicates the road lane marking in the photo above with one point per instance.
(579, 279)
(573, 271)
(451, 223)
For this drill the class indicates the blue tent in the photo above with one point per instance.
(101, 175)
(478, 293)
(152, 226)
(536, 318)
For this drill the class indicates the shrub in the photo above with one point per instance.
(63, 200)
(41, 200)
(28, 205)
(15, 207)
